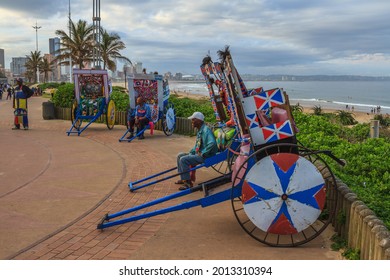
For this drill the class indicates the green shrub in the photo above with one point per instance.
(121, 100)
(185, 107)
(367, 170)
(383, 120)
(64, 96)
(45, 86)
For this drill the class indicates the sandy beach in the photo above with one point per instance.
(360, 117)
(359, 114)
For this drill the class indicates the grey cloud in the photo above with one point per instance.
(262, 33)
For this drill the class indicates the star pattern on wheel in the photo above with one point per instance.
(283, 195)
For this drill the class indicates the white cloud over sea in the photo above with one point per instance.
(265, 36)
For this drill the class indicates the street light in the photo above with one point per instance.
(36, 27)
(70, 54)
(124, 70)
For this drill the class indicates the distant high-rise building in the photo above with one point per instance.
(18, 65)
(138, 67)
(2, 65)
(54, 46)
(128, 69)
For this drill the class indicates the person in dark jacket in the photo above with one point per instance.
(21, 94)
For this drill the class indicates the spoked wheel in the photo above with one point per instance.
(169, 119)
(110, 114)
(73, 114)
(287, 195)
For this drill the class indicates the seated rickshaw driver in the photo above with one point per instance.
(140, 117)
(205, 147)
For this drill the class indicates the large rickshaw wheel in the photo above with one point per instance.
(73, 114)
(287, 197)
(110, 114)
(169, 120)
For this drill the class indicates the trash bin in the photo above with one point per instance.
(48, 111)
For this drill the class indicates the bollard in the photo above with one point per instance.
(372, 247)
(339, 209)
(345, 207)
(387, 254)
(375, 232)
(374, 129)
(362, 211)
(368, 223)
(349, 199)
(383, 238)
(353, 224)
(367, 215)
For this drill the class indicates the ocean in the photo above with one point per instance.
(363, 96)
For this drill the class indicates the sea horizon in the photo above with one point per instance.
(361, 96)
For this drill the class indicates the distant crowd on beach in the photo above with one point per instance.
(350, 108)
(374, 110)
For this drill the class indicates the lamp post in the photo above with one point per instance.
(70, 54)
(96, 33)
(36, 27)
(125, 76)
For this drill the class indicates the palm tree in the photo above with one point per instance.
(317, 110)
(29, 75)
(32, 63)
(79, 46)
(46, 66)
(297, 108)
(345, 118)
(110, 47)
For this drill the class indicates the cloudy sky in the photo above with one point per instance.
(302, 37)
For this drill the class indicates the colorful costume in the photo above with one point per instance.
(22, 93)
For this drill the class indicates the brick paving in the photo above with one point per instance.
(59, 187)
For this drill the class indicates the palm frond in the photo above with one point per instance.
(223, 54)
(206, 60)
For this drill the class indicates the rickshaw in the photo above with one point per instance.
(155, 92)
(92, 100)
(282, 193)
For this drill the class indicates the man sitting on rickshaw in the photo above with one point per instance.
(140, 117)
(205, 147)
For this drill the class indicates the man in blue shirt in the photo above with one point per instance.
(205, 146)
(139, 117)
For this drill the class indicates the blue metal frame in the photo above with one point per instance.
(162, 95)
(91, 118)
(124, 139)
(77, 74)
(219, 157)
(206, 201)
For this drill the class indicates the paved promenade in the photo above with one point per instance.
(55, 188)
